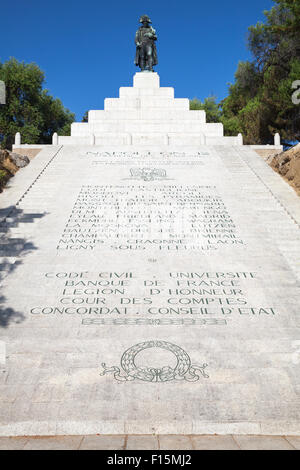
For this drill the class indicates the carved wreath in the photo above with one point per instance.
(184, 370)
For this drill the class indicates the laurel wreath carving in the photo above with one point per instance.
(183, 371)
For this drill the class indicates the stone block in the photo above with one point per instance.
(146, 102)
(148, 139)
(146, 80)
(214, 443)
(195, 138)
(122, 103)
(79, 128)
(174, 442)
(103, 442)
(263, 443)
(53, 443)
(136, 442)
(16, 443)
(112, 139)
(137, 92)
(151, 114)
(294, 441)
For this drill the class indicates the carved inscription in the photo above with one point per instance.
(175, 298)
(141, 216)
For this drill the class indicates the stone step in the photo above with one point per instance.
(147, 115)
(151, 442)
(148, 127)
(137, 92)
(146, 102)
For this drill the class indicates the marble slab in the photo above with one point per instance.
(149, 291)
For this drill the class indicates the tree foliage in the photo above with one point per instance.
(85, 117)
(259, 103)
(210, 106)
(29, 108)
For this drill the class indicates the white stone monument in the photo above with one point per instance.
(149, 280)
(148, 114)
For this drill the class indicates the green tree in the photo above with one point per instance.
(29, 108)
(292, 10)
(85, 117)
(259, 103)
(210, 106)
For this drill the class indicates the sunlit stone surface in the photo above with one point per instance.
(147, 290)
(147, 114)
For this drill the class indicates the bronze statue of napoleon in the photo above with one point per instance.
(146, 54)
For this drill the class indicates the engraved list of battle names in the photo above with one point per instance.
(142, 216)
(175, 298)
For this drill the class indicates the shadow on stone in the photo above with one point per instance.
(12, 253)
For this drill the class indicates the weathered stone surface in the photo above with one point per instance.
(146, 266)
(214, 443)
(16, 443)
(267, 443)
(142, 442)
(174, 442)
(149, 282)
(162, 442)
(53, 443)
(103, 443)
(294, 441)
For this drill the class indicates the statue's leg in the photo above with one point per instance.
(149, 59)
(142, 59)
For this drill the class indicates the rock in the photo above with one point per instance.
(6, 163)
(10, 163)
(3, 155)
(287, 164)
(4, 177)
(19, 160)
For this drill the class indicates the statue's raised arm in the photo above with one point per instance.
(145, 37)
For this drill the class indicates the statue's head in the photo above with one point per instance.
(145, 20)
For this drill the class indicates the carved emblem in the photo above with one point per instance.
(183, 371)
(148, 174)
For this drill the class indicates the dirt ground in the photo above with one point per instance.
(287, 164)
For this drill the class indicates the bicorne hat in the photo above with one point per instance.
(144, 18)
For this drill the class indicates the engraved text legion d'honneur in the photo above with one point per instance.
(180, 298)
(126, 218)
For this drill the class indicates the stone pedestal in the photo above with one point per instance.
(146, 80)
(147, 114)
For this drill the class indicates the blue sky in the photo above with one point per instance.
(86, 48)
